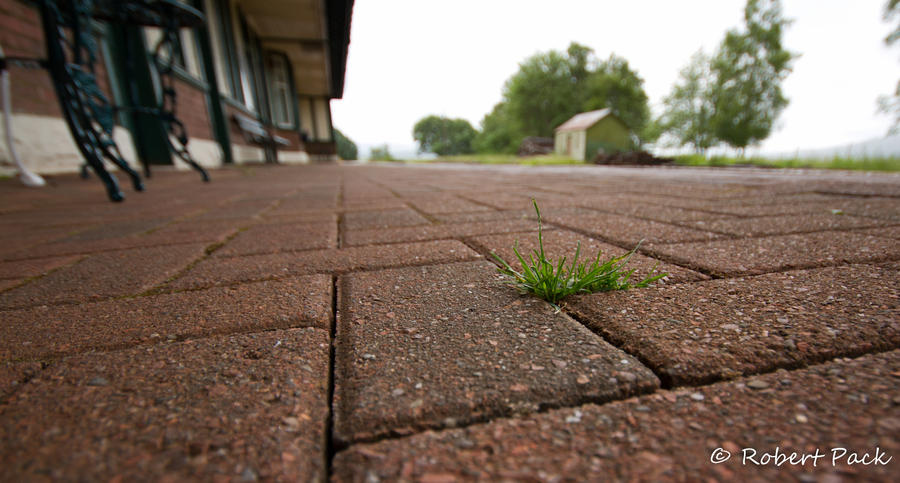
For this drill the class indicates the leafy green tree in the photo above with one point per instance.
(749, 68)
(689, 107)
(380, 153)
(498, 132)
(551, 87)
(444, 136)
(614, 85)
(543, 94)
(891, 104)
(346, 148)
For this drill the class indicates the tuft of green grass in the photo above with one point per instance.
(556, 281)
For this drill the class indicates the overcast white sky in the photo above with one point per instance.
(412, 58)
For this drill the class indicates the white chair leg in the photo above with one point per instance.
(27, 177)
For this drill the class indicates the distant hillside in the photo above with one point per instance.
(883, 147)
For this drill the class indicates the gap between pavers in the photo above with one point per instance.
(482, 216)
(442, 345)
(889, 232)
(752, 256)
(433, 232)
(181, 233)
(670, 435)
(116, 229)
(103, 276)
(625, 230)
(225, 271)
(563, 243)
(705, 331)
(20, 269)
(237, 209)
(382, 219)
(783, 225)
(441, 204)
(242, 407)
(43, 332)
(662, 213)
(272, 238)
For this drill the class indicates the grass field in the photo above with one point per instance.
(548, 159)
(855, 164)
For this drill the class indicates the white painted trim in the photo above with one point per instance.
(293, 157)
(247, 154)
(323, 126)
(206, 153)
(46, 146)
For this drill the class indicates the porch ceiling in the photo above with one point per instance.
(297, 28)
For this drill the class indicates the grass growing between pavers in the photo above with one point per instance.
(554, 282)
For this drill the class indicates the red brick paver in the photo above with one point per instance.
(673, 436)
(348, 323)
(419, 347)
(240, 407)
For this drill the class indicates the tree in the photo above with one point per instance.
(498, 133)
(551, 87)
(444, 136)
(380, 153)
(690, 107)
(543, 94)
(891, 104)
(614, 85)
(749, 68)
(346, 149)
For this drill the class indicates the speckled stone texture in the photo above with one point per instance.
(701, 332)
(235, 408)
(749, 256)
(51, 331)
(14, 374)
(889, 232)
(443, 345)
(670, 436)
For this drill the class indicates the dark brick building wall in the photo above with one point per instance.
(292, 136)
(21, 36)
(234, 131)
(192, 110)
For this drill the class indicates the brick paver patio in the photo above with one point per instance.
(346, 322)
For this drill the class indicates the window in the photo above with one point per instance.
(184, 50)
(281, 99)
(225, 48)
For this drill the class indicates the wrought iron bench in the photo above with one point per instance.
(71, 58)
(255, 133)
